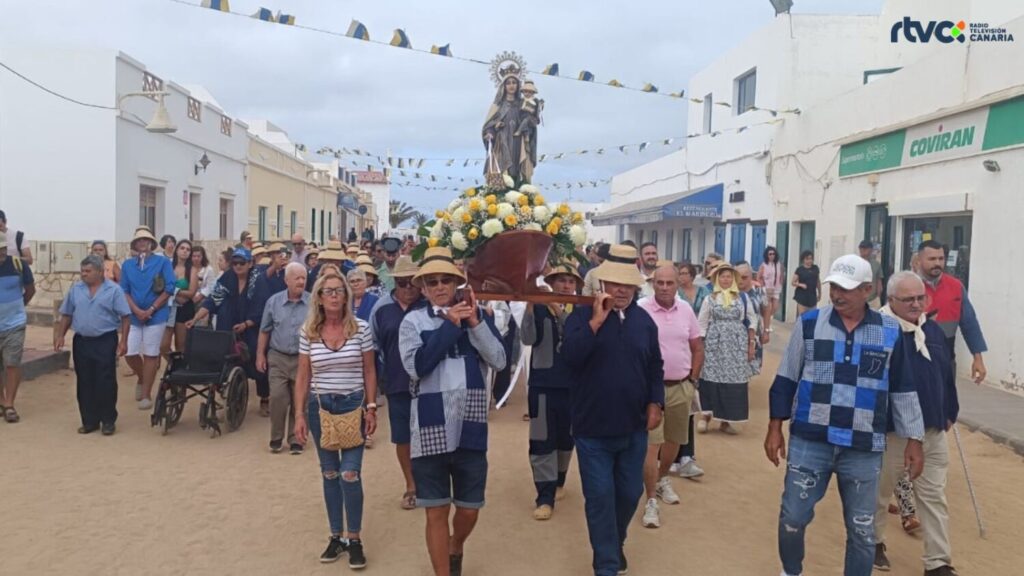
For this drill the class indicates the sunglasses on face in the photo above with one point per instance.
(403, 283)
(911, 299)
(433, 282)
(239, 263)
(332, 292)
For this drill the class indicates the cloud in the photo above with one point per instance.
(329, 90)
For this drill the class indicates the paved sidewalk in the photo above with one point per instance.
(993, 412)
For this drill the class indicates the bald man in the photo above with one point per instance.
(282, 318)
(298, 248)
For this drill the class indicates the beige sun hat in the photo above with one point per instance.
(563, 268)
(333, 252)
(276, 247)
(405, 268)
(438, 260)
(620, 267)
(365, 264)
(720, 267)
(258, 252)
(144, 233)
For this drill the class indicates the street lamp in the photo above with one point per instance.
(203, 163)
(161, 121)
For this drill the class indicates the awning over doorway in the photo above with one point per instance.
(703, 202)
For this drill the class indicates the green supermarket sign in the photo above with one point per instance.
(997, 126)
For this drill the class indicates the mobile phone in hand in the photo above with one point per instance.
(460, 295)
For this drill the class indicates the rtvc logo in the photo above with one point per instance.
(944, 31)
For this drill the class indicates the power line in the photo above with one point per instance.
(53, 92)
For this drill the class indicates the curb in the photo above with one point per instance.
(46, 364)
(998, 436)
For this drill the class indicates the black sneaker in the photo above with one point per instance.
(275, 446)
(881, 561)
(623, 566)
(942, 571)
(356, 558)
(295, 449)
(455, 564)
(335, 548)
(108, 429)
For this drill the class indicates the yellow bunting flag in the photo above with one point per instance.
(550, 70)
(400, 40)
(586, 76)
(441, 50)
(286, 19)
(650, 87)
(265, 15)
(615, 83)
(358, 31)
(218, 5)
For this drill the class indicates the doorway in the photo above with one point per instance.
(878, 227)
(782, 252)
(738, 242)
(953, 231)
(758, 242)
(194, 206)
(720, 239)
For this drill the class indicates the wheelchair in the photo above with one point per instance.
(211, 368)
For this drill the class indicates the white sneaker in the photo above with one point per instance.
(665, 491)
(675, 468)
(651, 517)
(145, 404)
(691, 470)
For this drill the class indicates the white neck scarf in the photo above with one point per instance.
(919, 338)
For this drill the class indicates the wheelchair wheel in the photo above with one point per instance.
(237, 398)
(173, 400)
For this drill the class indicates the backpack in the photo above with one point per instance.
(19, 268)
(19, 237)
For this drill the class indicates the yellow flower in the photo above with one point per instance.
(491, 199)
(510, 220)
(473, 233)
(439, 213)
(556, 222)
(474, 205)
(564, 209)
(538, 200)
(524, 200)
(577, 217)
(492, 209)
(466, 218)
(446, 217)
(432, 242)
(470, 192)
(525, 211)
(552, 228)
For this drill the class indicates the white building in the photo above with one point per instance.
(934, 150)
(715, 194)
(378, 186)
(71, 173)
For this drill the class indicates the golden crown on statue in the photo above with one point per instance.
(507, 64)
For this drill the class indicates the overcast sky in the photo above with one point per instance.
(331, 91)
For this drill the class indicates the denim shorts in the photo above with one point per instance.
(399, 412)
(463, 472)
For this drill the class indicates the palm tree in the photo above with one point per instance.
(400, 212)
(420, 219)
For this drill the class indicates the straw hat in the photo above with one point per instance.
(620, 267)
(276, 247)
(438, 260)
(404, 268)
(563, 268)
(333, 252)
(365, 264)
(143, 233)
(721, 267)
(352, 250)
(258, 252)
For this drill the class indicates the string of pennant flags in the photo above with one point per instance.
(400, 39)
(407, 166)
(477, 182)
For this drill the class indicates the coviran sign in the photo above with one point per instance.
(996, 126)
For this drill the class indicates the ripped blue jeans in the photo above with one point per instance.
(810, 466)
(341, 470)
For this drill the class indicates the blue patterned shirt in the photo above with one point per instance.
(449, 395)
(839, 387)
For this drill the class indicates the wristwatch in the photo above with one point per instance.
(371, 406)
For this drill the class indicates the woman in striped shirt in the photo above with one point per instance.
(336, 363)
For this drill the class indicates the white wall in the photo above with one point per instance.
(56, 171)
(922, 88)
(168, 160)
(381, 194)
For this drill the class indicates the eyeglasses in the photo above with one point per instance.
(447, 281)
(332, 292)
(298, 243)
(912, 299)
(403, 283)
(239, 263)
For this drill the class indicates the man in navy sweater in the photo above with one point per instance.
(924, 344)
(617, 395)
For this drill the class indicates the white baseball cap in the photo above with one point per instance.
(849, 272)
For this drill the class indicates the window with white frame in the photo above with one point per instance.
(294, 224)
(261, 224)
(279, 223)
(745, 87)
(225, 218)
(147, 206)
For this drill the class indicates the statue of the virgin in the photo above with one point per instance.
(508, 152)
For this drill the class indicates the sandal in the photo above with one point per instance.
(911, 524)
(409, 501)
(894, 509)
(11, 415)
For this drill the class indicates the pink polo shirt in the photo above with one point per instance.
(676, 327)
